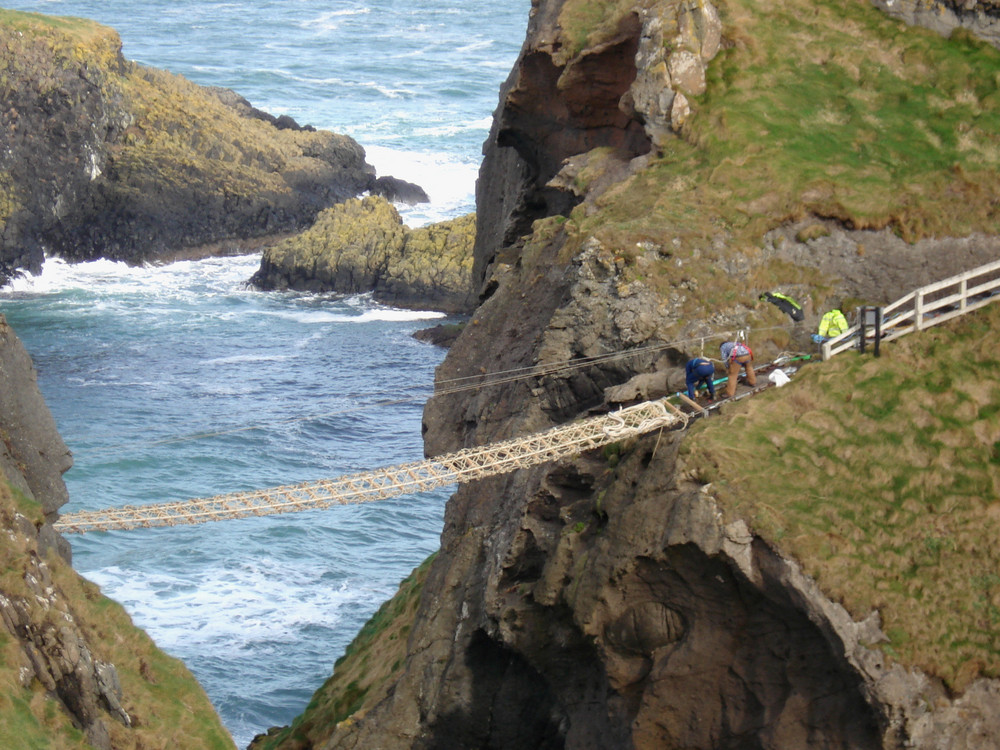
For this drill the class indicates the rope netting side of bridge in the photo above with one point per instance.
(454, 468)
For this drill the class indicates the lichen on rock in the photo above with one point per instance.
(107, 158)
(363, 246)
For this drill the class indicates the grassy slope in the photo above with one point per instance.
(882, 477)
(167, 706)
(817, 107)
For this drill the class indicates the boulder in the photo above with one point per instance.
(362, 246)
(399, 191)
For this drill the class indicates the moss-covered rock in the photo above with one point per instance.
(74, 671)
(107, 158)
(363, 246)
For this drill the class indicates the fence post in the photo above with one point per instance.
(862, 330)
(878, 329)
(963, 290)
(918, 311)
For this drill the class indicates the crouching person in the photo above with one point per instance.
(736, 355)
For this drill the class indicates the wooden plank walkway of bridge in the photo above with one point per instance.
(462, 466)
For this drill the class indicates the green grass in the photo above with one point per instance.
(586, 22)
(818, 108)
(166, 704)
(23, 21)
(879, 476)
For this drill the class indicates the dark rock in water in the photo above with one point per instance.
(399, 191)
(442, 335)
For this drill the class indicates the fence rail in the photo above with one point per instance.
(928, 306)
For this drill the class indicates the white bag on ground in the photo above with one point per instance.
(778, 377)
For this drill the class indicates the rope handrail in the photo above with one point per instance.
(462, 466)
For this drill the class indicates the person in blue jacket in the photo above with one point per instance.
(700, 371)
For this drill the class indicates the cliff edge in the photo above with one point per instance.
(653, 168)
(105, 158)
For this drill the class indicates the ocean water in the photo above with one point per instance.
(414, 81)
(171, 382)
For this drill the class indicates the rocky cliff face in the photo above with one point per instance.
(106, 158)
(362, 246)
(625, 95)
(979, 17)
(613, 601)
(34, 457)
(74, 672)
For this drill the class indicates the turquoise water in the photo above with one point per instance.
(176, 381)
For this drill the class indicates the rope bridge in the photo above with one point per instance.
(463, 466)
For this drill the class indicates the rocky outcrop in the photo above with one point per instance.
(72, 662)
(362, 246)
(625, 95)
(981, 18)
(33, 456)
(107, 158)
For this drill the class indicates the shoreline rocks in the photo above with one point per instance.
(106, 158)
(363, 246)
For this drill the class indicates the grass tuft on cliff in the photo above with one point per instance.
(821, 108)
(167, 706)
(882, 478)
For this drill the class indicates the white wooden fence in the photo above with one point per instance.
(928, 306)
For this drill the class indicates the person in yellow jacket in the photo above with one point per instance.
(832, 324)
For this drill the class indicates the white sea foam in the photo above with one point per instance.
(369, 316)
(332, 20)
(227, 607)
(449, 182)
(238, 358)
(456, 128)
(475, 46)
(115, 278)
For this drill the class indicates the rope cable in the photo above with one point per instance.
(444, 387)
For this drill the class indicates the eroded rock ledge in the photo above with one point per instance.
(363, 246)
(981, 18)
(106, 158)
